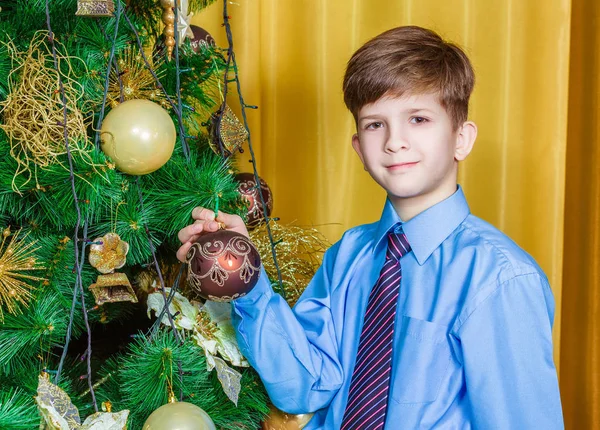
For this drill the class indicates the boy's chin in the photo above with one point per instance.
(403, 194)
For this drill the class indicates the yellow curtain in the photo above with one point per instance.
(292, 55)
(580, 351)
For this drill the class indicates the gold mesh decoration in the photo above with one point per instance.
(138, 82)
(33, 111)
(95, 8)
(16, 260)
(232, 132)
(299, 255)
(111, 288)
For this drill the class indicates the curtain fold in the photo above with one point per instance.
(580, 352)
(538, 130)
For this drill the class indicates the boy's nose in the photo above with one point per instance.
(396, 141)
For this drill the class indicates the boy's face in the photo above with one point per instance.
(409, 147)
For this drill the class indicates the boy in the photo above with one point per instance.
(430, 317)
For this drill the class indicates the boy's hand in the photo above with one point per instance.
(205, 222)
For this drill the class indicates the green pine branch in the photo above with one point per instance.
(26, 337)
(17, 410)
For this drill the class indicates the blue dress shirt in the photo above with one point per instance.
(473, 335)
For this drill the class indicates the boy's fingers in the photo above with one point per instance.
(192, 231)
(230, 221)
(186, 233)
(201, 213)
(183, 250)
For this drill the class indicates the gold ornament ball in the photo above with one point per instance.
(139, 136)
(179, 416)
(278, 420)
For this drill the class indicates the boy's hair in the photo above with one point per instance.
(410, 61)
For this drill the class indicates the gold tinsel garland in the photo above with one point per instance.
(299, 255)
(33, 117)
(16, 259)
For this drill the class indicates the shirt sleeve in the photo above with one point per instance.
(506, 346)
(294, 351)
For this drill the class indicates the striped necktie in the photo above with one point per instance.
(367, 398)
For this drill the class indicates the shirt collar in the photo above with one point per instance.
(430, 228)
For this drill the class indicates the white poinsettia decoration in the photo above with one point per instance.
(210, 324)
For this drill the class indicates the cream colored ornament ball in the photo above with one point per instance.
(139, 136)
(179, 416)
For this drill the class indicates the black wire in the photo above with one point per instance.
(107, 80)
(73, 190)
(231, 62)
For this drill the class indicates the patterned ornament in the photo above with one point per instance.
(111, 288)
(95, 8)
(168, 18)
(108, 253)
(223, 266)
(16, 260)
(228, 130)
(200, 38)
(136, 79)
(250, 192)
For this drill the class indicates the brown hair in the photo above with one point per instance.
(410, 60)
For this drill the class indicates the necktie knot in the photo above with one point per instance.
(397, 245)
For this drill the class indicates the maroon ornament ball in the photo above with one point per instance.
(223, 266)
(201, 36)
(249, 191)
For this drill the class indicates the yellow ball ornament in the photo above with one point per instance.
(139, 136)
(179, 416)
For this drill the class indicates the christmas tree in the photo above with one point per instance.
(90, 216)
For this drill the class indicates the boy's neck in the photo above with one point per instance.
(409, 207)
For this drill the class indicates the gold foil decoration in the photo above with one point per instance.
(168, 18)
(95, 8)
(232, 133)
(16, 262)
(111, 288)
(108, 253)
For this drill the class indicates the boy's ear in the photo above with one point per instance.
(465, 140)
(356, 146)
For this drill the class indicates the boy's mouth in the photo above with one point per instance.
(402, 166)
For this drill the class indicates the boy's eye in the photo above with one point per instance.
(418, 120)
(373, 125)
